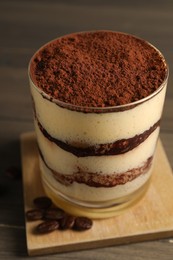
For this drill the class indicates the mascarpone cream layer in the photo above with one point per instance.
(96, 128)
(67, 163)
(86, 193)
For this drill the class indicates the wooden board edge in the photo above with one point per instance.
(103, 243)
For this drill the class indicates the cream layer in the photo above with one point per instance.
(96, 128)
(92, 194)
(67, 163)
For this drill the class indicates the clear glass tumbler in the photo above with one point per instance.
(96, 161)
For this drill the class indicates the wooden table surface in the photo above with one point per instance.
(24, 27)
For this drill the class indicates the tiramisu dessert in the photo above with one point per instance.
(98, 99)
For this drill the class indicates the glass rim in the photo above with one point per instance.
(92, 108)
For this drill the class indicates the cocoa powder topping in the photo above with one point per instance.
(98, 69)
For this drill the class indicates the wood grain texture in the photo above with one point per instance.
(26, 25)
(151, 218)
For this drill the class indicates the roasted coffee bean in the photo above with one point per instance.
(54, 213)
(13, 172)
(42, 202)
(34, 214)
(55, 218)
(67, 221)
(82, 223)
(47, 226)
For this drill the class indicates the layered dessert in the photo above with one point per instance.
(98, 99)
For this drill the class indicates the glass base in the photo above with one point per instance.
(116, 207)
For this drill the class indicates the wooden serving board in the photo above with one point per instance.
(151, 218)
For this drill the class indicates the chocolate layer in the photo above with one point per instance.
(100, 180)
(118, 147)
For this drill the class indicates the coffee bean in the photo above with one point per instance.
(42, 202)
(67, 222)
(55, 218)
(82, 223)
(47, 226)
(34, 214)
(54, 213)
(13, 172)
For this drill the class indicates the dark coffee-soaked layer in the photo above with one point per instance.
(115, 148)
(100, 180)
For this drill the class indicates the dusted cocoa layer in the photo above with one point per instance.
(115, 148)
(100, 180)
(120, 68)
